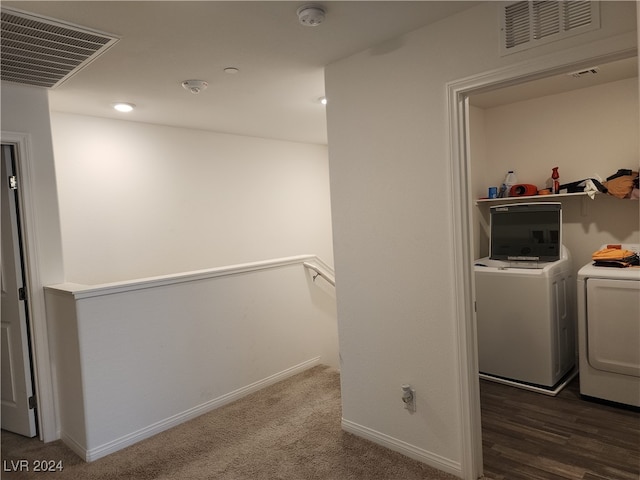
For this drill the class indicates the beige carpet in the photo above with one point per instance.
(290, 431)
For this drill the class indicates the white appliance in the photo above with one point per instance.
(526, 323)
(525, 297)
(609, 332)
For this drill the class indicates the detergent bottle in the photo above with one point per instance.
(509, 181)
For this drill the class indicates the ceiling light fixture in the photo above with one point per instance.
(231, 70)
(322, 100)
(311, 15)
(194, 86)
(123, 107)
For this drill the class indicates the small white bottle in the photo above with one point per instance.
(509, 181)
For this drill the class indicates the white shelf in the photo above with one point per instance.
(531, 198)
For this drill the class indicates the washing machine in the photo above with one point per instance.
(525, 321)
(609, 332)
(525, 300)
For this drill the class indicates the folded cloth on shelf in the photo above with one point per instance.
(615, 256)
(621, 184)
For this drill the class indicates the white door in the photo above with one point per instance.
(17, 385)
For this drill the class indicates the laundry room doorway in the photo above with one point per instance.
(466, 217)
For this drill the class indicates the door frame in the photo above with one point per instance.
(458, 91)
(41, 363)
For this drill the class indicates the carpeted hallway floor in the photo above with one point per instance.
(289, 431)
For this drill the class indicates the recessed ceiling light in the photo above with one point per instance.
(322, 100)
(123, 107)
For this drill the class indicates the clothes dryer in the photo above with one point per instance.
(609, 332)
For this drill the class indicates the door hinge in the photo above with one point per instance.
(32, 402)
(22, 294)
(13, 182)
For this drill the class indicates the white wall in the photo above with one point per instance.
(26, 110)
(391, 191)
(481, 178)
(586, 132)
(139, 200)
(136, 358)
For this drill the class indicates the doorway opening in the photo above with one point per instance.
(18, 380)
(517, 123)
(465, 220)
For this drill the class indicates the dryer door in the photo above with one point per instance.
(613, 325)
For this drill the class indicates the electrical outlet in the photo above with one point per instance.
(409, 397)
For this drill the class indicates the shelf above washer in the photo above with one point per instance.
(534, 198)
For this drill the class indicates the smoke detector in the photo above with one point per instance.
(194, 86)
(311, 15)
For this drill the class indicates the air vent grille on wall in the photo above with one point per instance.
(43, 52)
(526, 24)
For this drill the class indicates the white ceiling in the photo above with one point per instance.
(281, 62)
(564, 82)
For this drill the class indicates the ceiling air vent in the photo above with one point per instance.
(526, 24)
(584, 73)
(44, 52)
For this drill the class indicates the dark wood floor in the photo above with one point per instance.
(528, 435)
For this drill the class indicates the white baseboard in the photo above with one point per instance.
(73, 445)
(433, 460)
(92, 454)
